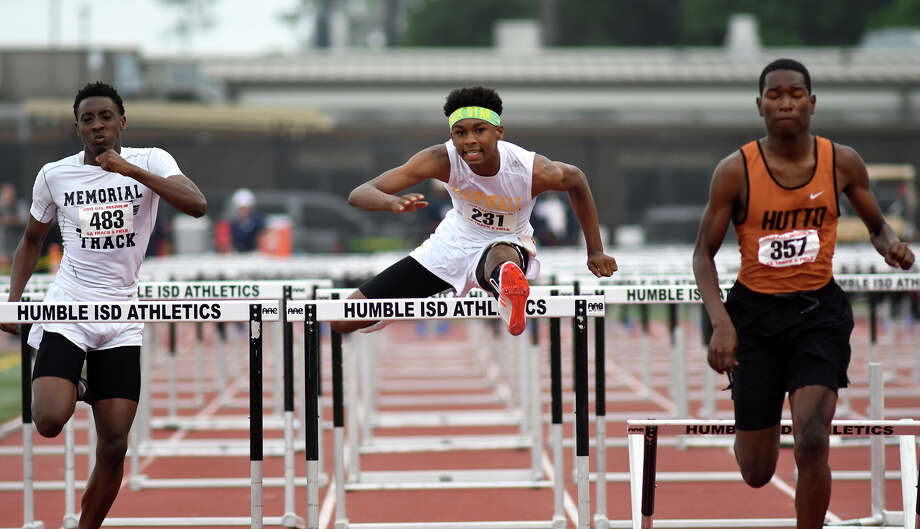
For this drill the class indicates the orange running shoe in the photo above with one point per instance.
(513, 291)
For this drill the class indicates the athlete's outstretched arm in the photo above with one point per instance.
(726, 186)
(24, 260)
(854, 180)
(177, 190)
(380, 193)
(558, 176)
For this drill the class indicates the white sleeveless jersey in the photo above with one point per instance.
(105, 220)
(490, 208)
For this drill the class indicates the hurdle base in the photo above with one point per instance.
(559, 522)
(34, 525)
(882, 519)
(601, 522)
(137, 481)
(70, 522)
(341, 523)
(243, 482)
(293, 521)
(446, 479)
(704, 523)
(520, 524)
(191, 521)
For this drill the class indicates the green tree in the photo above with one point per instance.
(660, 22)
(618, 22)
(781, 22)
(898, 13)
(467, 23)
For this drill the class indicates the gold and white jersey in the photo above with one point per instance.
(486, 209)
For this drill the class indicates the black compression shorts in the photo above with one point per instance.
(406, 278)
(110, 373)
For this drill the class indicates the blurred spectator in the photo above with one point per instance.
(439, 204)
(13, 217)
(160, 238)
(247, 224)
(550, 221)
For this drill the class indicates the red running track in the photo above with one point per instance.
(430, 367)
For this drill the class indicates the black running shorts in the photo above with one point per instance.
(786, 341)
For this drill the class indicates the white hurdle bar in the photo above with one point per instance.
(643, 437)
(312, 312)
(252, 311)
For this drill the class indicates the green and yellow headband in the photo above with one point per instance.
(474, 112)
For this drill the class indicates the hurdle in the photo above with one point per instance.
(643, 436)
(252, 311)
(282, 290)
(141, 441)
(579, 307)
(657, 292)
(675, 294)
(206, 290)
(526, 416)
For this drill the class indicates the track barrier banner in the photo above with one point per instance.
(437, 308)
(143, 311)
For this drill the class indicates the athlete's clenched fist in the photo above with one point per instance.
(113, 162)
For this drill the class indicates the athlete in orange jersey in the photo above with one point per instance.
(785, 326)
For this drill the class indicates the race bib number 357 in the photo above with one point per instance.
(491, 220)
(789, 249)
(105, 220)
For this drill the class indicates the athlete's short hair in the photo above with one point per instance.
(476, 96)
(98, 89)
(785, 64)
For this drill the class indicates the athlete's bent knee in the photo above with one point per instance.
(757, 477)
(49, 423)
(48, 427)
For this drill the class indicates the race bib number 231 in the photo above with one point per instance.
(491, 220)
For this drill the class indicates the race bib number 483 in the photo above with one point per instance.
(502, 221)
(789, 249)
(105, 220)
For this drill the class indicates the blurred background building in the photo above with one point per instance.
(645, 97)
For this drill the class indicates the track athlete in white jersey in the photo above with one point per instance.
(105, 201)
(486, 239)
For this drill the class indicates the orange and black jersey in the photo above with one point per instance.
(787, 236)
